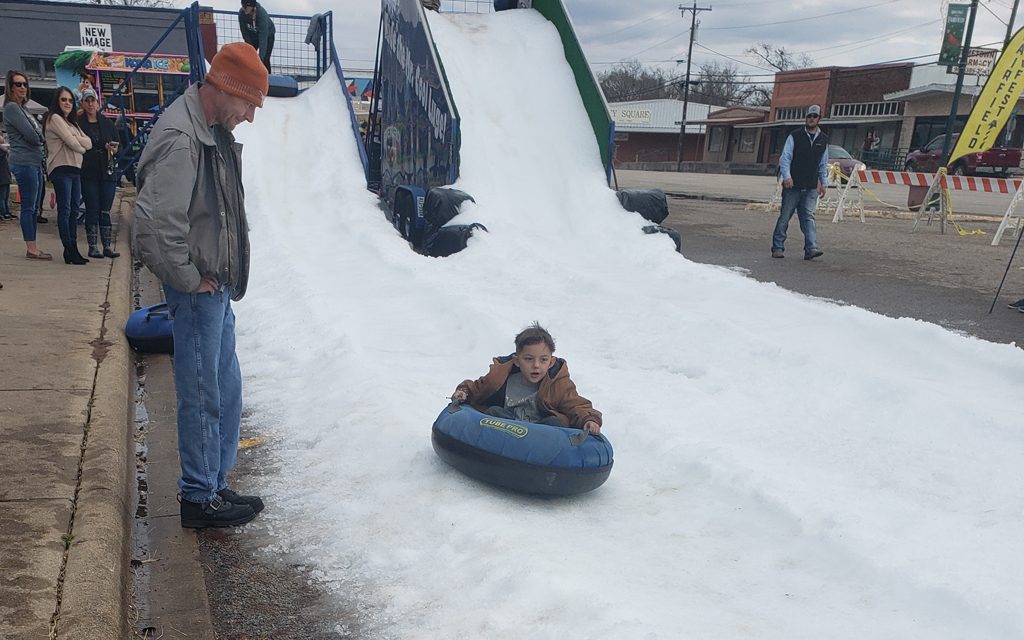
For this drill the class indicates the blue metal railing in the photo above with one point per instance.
(325, 53)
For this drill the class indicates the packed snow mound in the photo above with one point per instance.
(785, 467)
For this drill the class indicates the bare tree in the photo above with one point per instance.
(780, 59)
(633, 81)
(721, 84)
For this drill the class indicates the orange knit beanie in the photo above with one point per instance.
(238, 70)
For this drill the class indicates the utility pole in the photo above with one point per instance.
(965, 52)
(686, 87)
(1009, 25)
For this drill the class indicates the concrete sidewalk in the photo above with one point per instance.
(65, 407)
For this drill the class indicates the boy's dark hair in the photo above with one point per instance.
(534, 334)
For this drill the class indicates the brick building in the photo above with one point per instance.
(853, 103)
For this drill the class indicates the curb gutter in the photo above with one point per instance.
(93, 602)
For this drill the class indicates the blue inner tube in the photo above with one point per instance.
(523, 456)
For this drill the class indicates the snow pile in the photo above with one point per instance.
(785, 467)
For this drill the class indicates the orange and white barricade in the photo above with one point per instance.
(936, 202)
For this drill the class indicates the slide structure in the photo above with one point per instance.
(414, 137)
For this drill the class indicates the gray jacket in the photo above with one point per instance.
(190, 213)
(24, 134)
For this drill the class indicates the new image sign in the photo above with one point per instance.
(953, 35)
(97, 36)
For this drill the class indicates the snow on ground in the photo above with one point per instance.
(785, 467)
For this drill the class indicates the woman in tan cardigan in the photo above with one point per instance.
(65, 145)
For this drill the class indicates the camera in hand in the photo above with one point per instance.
(112, 160)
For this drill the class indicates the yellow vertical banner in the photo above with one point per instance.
(997, 101)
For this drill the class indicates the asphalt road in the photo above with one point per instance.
(879, 265)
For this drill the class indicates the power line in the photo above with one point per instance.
(822, 15)
(731, 58)
(636, 24)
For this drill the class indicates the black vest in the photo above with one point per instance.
(804, 167)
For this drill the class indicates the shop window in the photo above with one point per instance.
(747, 137)
(717, 141)
(38, 67)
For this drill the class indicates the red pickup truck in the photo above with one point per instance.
(997, 159)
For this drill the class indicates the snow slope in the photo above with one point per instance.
(785, 467)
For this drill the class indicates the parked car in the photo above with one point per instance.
(997, 159)
(847, 163)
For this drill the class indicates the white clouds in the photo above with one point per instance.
(654, 32)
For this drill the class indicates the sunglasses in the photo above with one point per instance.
(812, 115)
(67, 100)
(19, 84)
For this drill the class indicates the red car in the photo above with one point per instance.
(838, 155)
(997, 159)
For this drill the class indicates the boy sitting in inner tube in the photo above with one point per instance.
(531, 385)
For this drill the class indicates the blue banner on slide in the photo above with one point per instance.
(419, 123)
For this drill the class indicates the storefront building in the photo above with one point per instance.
(647, 131)
(35, 33)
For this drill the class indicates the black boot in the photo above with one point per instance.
(107, 235)
(92, 234)
(217, 513)
(253, 501)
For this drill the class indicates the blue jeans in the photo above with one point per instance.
(67, 185)
(99, 197)
(30, 180)
(5, 196)
(803, 201)
(208, 381)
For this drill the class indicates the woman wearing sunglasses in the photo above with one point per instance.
(26, 158)
(65, 145)
(99, 169)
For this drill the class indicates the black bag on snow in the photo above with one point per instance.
(672, 233)
(650, 203)
(448, 240)
(441, 205)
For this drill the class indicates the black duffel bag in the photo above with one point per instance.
(672, 233)
(442, 204)
(650, 203)
(448, 240)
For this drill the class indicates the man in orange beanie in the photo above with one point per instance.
(191, 231)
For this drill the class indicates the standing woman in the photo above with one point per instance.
(65, 145)
(26, 140)
(98, 174)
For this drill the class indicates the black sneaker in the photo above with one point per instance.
(778, 254)
(216, 513)
(254, 502)
(1017, 305)
(813, 253)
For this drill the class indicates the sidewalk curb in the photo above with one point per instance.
(892, 214)
(95, 599)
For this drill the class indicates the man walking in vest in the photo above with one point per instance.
(804, 169)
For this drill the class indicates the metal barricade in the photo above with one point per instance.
(467, 6)
(291, 55)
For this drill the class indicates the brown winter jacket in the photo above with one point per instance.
(556, 395)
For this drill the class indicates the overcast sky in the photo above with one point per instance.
(654, 32)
